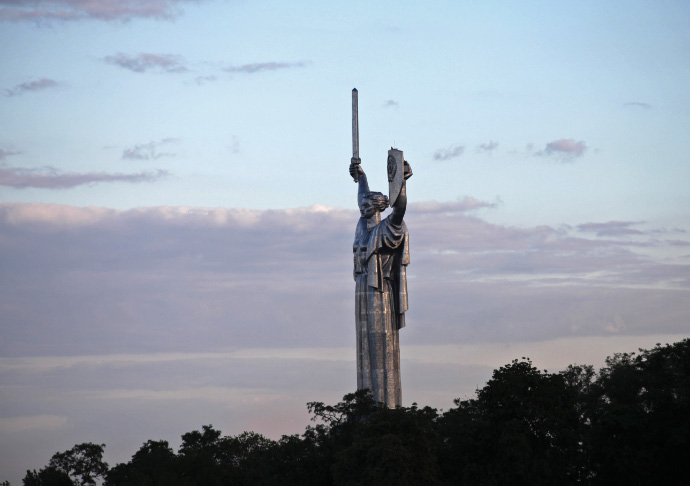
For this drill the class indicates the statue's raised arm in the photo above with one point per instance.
(360, 177)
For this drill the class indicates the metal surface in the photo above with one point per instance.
(381, 255)
(355, 133)
(396, 170)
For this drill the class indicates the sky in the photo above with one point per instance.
(176, 213)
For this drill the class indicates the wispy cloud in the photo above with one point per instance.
(611, 228)
(36, 422)
(167, 63)
(31, 86)
(638, 104)
(391, 104)
(235, 144)
(52, 178)
(201, 80)
(105, 10)
(564, 149)
(265, 66)
(487, 147)
(148, 151)
(7, 153)
(448, 153)
(464, 204)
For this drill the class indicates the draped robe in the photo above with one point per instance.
(381, 254)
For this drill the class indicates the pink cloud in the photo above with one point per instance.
(30, 86)
(565, 148)
(52, 178)
(169, 63)
(148, 151)
(265, 66)
(106, 10)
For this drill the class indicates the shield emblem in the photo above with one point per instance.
(395, 174)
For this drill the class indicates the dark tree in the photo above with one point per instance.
(206, 458)
(83, 463)
(154, 464)
(391, 447)
(522, 429)
(335, 428)
(639, 409)
(200, 457)
(48, 476)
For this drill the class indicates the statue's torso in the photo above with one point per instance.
(360, 250)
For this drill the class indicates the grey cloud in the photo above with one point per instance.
(391, 104)
(265, 66)
(565, 149)
(148, 151)
(105, 10)
(449, 153)
(168, 63)
(32, 86)
(487, 147)
(52, 178)
(132, 281)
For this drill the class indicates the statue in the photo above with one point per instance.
(381, 255)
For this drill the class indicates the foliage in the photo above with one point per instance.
(521, 429)
(48, 476)
(640, 417)
(83, 463)
(391, 446)
(628, 423)
(154, 464)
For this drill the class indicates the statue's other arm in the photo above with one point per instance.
(401, 202)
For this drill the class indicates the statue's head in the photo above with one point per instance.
(373, 203)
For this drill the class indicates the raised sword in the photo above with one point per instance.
(355, 134)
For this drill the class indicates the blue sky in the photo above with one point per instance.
(176, 212)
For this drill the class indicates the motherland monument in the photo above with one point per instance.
(381, 255)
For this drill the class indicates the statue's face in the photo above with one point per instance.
(367, 209)
(392, 168)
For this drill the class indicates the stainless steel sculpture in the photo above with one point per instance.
(381, 255)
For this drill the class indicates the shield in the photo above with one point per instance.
(395, 174)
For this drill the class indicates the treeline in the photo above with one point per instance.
(628, 424)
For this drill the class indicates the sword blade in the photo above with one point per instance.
(355, 125)
(355, 132)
